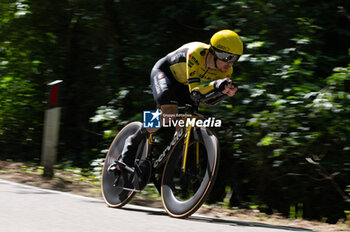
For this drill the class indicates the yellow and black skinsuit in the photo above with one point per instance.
(180, 72)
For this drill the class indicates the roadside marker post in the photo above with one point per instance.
(51, 129)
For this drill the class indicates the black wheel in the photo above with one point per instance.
(116, 196)
(184, 191)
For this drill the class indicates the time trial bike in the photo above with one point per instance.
(184, 173)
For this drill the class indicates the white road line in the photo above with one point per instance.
(49, 190)
(74, 195)
(137, 207)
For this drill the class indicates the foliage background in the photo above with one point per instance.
(285, 140)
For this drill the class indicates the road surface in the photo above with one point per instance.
(30, 209)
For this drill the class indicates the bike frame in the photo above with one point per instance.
(211, 98)
(184, 132)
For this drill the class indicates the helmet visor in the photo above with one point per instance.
(225, 56)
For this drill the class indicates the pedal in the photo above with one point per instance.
(125, 180)
(122, 165)
(119, 166)
(132, 179)
(112, 169)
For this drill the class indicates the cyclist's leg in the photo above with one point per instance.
(169, 112)
(166, 100)
(130, 147)
(165, 92)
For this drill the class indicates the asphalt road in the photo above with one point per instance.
(30, 209)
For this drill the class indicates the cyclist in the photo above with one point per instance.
(195, 66)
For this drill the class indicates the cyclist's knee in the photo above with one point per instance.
(152, 130)
(169, 112)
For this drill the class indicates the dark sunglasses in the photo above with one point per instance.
(225, 56)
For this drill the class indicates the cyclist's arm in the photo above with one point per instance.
(201, 87)
(194, 81)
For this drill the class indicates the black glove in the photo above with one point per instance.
(221, 84)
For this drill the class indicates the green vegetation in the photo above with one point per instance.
(285, 141)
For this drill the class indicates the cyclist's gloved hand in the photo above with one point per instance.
(221, 84)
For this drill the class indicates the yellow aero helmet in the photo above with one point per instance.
(227, 41)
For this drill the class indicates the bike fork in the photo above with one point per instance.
(186, 145)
